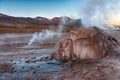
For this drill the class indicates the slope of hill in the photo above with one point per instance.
(12, 24)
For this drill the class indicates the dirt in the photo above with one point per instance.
(18, 61)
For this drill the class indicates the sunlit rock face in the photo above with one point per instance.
(85, 43)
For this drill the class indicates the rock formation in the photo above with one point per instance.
(85, 43)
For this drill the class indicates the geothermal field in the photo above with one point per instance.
(59, 39)
(20, 60)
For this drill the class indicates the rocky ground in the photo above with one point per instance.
(19, 61)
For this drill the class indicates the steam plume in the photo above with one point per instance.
(48, 34)
(41, 36)
(97, 12)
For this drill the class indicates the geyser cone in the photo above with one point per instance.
(85, 43)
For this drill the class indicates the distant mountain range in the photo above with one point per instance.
(28, 24)
(6, 20)
(10, 24)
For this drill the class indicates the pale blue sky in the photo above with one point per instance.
(44, 8)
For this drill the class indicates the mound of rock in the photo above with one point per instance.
(85, 43)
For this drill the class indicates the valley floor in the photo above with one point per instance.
(20, 61)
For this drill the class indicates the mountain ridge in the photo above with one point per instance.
(28, 24)
(36, 20)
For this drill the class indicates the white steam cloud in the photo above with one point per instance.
(48, 34)
(41, 36)
(97, 12)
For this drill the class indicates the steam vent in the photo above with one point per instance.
(84, 44)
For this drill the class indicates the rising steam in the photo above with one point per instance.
(48, 34)
(98, 12)
(41, 36)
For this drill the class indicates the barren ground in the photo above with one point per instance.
(18, 61)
